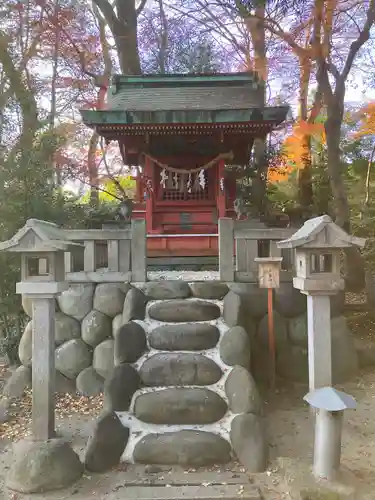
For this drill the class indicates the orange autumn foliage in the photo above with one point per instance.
(295, 149)
(367, 121)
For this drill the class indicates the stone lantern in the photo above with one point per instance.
(42, 246)
(318, 245)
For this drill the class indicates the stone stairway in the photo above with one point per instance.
(189, 398)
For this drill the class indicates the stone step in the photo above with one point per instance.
(184, 337)
(163, 475)
(184, 311)
(214, 492)
(180, 406)
(184, 448)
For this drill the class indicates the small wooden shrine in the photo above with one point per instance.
(181, 131)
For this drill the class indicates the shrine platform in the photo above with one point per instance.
(182, 245)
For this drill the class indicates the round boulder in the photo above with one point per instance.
(64, 385)
(120, 387)
(298, 330)
(134, 305)
(289, 301)
(209, 289)
(66, 328)
(109, 298)
(185, 448)
(130, 343)
(77, 301)
(27, 305)
(95, 328)
(242, 392)
(280, 330)
(292, 363)
(237, 312)
(25, 348)
(235, 347)
(103, 361)
(249, 441)
(181, 311)
(162, 290)
(18, 382)
(107, 443)
(89, 382)
(179, 369)
(72, 357)
(184, 337)
(344, 354)
(116, 323)
(253, 298)
(337, 304)
(180, 406)
(41, 466)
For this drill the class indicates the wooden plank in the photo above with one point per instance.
(97, 234)
(113, 255)
(252, 276)
(68, 262)
(264, 234)
(138, 251)
(226, 257)
(246, 252)
(124, 255)
(98, 277)
(89, 256)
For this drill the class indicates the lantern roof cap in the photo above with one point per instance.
(38, 236)
(321, 233)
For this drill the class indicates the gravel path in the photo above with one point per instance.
(183, 275)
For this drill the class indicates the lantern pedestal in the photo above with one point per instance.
(43, 368)
(319, 340)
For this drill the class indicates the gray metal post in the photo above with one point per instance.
(327, 451)
(330, 405)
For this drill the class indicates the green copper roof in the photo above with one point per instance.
(179, 92)
(203, 98)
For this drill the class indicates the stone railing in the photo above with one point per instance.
(240, 242)
(109, 254)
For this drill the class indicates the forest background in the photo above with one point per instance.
(57, 57)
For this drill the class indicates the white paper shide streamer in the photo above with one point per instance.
(163, 177)
(202, 179)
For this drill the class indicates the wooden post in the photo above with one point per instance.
(43, 368)
(138, 251)
(226, 246)
(319, 341)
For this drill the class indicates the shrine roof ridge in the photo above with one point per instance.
(190, 79)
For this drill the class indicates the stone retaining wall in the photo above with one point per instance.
(174, 362)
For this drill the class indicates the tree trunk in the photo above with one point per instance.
(126, 40)
(305, 188)
(335, 112)
(354, 263)
(256, 27)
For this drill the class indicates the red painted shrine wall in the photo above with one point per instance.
(173, 209)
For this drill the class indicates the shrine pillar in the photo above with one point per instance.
(149, 189)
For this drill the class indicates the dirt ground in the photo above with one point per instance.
(290, 427)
